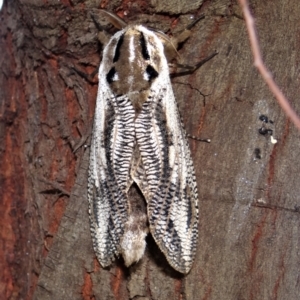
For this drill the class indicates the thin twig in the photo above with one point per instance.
(258, 63)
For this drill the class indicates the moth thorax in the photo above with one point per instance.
(135, 64)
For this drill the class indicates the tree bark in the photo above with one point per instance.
(249, 189)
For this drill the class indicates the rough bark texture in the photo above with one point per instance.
(248, 187)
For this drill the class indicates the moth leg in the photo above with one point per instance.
(197, 138)
(186, 33)
(187, 69)
(171, 44)
(193, 137)
(103, 35)
(88, 77)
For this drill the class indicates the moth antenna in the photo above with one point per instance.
(170, 48)
(115, 20)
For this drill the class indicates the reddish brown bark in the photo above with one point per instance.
(249, 219)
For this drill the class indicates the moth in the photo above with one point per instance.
(138, 142)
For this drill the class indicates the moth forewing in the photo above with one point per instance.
(139, 142)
